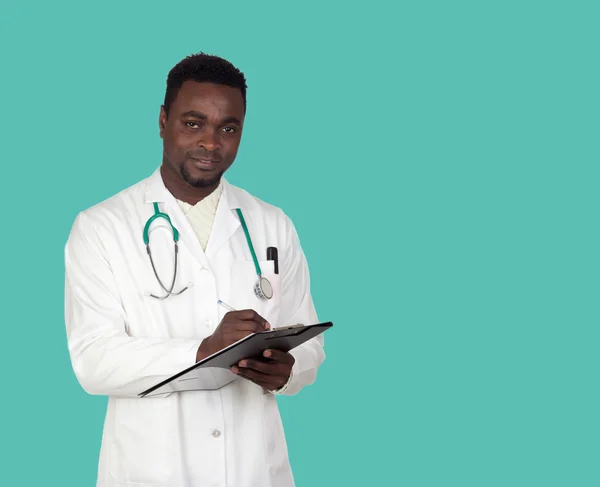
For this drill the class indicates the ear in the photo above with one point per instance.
(162, 121)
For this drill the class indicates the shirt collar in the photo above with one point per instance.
(156, 191)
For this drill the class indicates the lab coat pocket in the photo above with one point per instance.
(141, 444)
(243, 280)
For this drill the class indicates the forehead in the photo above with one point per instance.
(209, 98)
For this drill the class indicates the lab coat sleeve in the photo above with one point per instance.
(297, 307)
(105, 359)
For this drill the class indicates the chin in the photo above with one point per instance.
(198, 178)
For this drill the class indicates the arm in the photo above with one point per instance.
(297, 307)
(105, 359)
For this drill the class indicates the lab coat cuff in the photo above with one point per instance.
(283, 388)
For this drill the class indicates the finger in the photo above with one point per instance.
(235, 336)
(279, 356)
(266, 368)
(242, 325)
(273, 381)
(269, 386)
(267, 381)
(250, 315)
(255, 375)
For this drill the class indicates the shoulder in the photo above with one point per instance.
(254, 205)
(272, 218)
(118, 207)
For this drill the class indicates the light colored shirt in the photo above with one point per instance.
(202, 215)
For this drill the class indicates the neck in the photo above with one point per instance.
(181, 189)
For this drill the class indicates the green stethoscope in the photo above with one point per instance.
(262, 288)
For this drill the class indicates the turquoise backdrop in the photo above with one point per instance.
(440, 161)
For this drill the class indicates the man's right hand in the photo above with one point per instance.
(234, 326)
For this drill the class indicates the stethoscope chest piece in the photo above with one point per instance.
(263, 288)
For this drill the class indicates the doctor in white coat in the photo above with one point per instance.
(124, 335)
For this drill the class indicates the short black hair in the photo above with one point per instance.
(203, 68)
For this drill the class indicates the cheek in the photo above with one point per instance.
(230, 148)
(174, 143)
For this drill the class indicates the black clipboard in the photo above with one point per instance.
(213, 372)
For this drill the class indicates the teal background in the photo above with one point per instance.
(440, 161)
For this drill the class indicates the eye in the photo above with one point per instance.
(190, 124)
(229, 130)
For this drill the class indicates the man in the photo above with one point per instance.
(127, 333)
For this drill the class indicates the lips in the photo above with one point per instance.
(204, 163)
(205, 160)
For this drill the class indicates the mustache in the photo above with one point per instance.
(213, 156)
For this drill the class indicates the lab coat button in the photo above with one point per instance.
(207, 323)
(204, 269)
(216, 433)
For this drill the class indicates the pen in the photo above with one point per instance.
(272, 255)
(225, 305)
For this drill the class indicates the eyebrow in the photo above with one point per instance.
(193, 113)
(201, 116)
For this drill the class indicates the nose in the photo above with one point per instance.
(209, 140)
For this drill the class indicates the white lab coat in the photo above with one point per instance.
(122, 341)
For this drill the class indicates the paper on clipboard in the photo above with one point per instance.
(196, 379)
(213, 372)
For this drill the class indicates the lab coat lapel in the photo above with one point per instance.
(188, 237)
(226, 221)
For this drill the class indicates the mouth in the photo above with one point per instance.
(205, 163)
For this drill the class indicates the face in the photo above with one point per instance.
(202, 133)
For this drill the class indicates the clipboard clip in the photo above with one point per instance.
(285, 327)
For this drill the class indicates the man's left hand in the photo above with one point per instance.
(270, 373)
